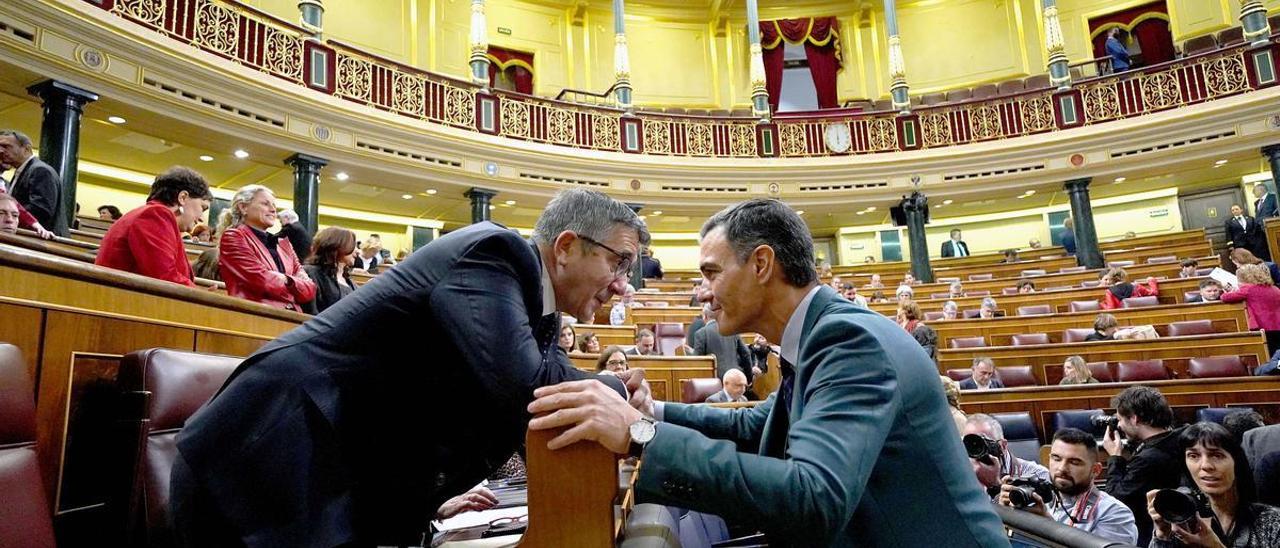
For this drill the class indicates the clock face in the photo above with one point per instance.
(837, 137)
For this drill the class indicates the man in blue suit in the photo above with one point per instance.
(1264, 206)
(857, 447)
(1116, 51)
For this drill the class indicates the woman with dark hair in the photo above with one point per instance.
(109, 213)
(1104, 328)
(1217, 467)
(612, 360)
(1120, 288)
(329, 266)
(567, 336)
(589, 343)
(148, 241)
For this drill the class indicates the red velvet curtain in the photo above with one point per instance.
(1155, 39)
(821, 47)
(1148, 24)
(517, 64)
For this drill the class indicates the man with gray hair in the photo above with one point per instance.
(354, 428)
(856, 448)
(297, 234)
(993, 468)
(734, 388)
(36, 185)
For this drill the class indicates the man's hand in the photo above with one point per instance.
(756, 372)
(641, 396)
(1112, 443)
(474, 500)
(41, 231)
(592, 410)
(1007, 485)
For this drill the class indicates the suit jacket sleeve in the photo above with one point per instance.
(151, 242)
(42, 198)
(742, 426)
(700, 342)
(303, 288)
(238, 257)
(948, 249)
(744, 356)
(810, 497)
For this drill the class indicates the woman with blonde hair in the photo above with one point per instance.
(1120, 288)
(1261, 300)
(1241, 256)
(952, 389)
(1076, 371)
(255, 264)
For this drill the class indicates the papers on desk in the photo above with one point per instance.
(472, 519)
(1224, 277)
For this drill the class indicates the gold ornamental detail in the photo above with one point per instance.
(460, 107)
(791, 137)
(1160, 90)
(698, 140)
(560, 126)
(1225, 75)
(657, 137)
(515, 118)
(882, 134)
(1101, 103)
(283, 54)
(1037, 114)
(409, 94)
(147, 11)
(604, 132)
(984, 122)
(936, 128)
(218, 28)
(354, 78)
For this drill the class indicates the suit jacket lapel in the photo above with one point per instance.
(773, 443)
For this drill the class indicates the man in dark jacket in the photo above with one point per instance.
(345, 431)
(1245, 232)
(1152, 458)
(729, 350)
(36, 185)
(297, 234)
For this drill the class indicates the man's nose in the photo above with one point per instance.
(619, 285)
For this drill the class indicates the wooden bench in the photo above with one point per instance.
(648, 316)
(1171, 291)
(662, 372)
(999, 331)
(621, 335)
(67, 249)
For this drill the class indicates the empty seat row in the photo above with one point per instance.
(1210, 367)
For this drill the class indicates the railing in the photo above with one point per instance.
(266, 44)
(583, 97)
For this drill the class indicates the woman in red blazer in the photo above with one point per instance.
(148, 241)
(255, 264)
(1120, 288)
(1261, 298)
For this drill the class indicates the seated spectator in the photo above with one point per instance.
(836, 284)
(369, 258)
(8, 214)
(1210, 291)
(1217, 467)
(1034, 243)
(1187, 268)
(875, 282)
(869, 260)
(905, 293)
(955, 290)
(909, 280)
(646, 344)
(1025, 286)
(984, 376)
(912, 320)
(1011, 256)
(950, 310)
(109, 213)
(612, 360)
(21, 219)
(589, 343)
(1151, 459)
(993, 468)
(1260, 296)
(618, 313)
(1073, 467)
(1076, 371)
(1119, 288)
(1241, 256)
(297, 234)
(735, 388)
(849, 291)
(1104, 328)
(255, 264)
(148, 241)
(952, 390)
(329, 266)
(989, 309)
(878, 297)
(202, 233)
(567, 337)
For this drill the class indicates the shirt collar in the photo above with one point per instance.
(791, 334)
(18, 172)
(268, 239)
(548, 292)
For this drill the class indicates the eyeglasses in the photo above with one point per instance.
(616, 362)
(624, 261)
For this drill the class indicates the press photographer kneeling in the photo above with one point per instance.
(1070, 498)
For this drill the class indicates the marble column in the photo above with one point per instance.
(759, 92)
(916, 207)
(63, 106)
(621, 61)
(479, 45)
(480, 199)
(898, 89)
(306, 189)
(1059, 69)
(1087, 252)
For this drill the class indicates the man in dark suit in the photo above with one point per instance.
(1264, 206)
(355, 427)
(730, 352)
(36, 185)
(297, 235)
(1244, 231)
(955, 247)
(984, 376)
(650, 267)
(857, 447)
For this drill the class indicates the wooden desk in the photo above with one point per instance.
(662, 372)
(670, 286)
(621, 335)
(648, 316)
(999, 331)
(1171, 291)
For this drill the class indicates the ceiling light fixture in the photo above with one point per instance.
(1220, 162)
(206, 158)
(431, 191)
(493, 207)
(241, 154)
(871, 208)
(115, 119)
(407, 196)
(342, 176)
(800, 212)
(947, 202)
(861, 213)
(1030, 192)
(510, 202)
(1120, 179)
(656, 213)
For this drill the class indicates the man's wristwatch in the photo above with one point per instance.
(642, 432)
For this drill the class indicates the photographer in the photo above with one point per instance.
(1152, 458)
(989, 470)
(1073, 465)
(1220, 472)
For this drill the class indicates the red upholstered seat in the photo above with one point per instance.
(162, 388)
(1009, 291)
(968, 342)
(25, 518)
(1084, 306)
(1016, 375)
(1204, 271)
(1162, 259)
(983, 293)
(1035, 310)
(1076, 334)
(1139, 302)
(934, 315)
(1142, 370)
(1101, 371)
(980, 277)
(1015, 86)
(1034, 272)
(1037, 81)
(1191, 327)
(948, 280)
(957, 95)
(1232, 36)
(668, 337)
(985, 91)
(939, 295)
(1199, 44)
(970, 314)
(1217, 366)
(1025, 339)
(1119, 264)
(959, 374)
(698, 390)
(1070, 269)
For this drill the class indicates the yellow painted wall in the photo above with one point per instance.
(679, 254)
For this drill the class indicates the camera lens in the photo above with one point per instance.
(1175, 506)
(1020, 497)
(975, 446)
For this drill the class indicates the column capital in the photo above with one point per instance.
(49, 90)
(1077, 185)
(481, 193)
(305, 160)
(1272, 151)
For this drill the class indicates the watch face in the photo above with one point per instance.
(837, 137)
(642, 431)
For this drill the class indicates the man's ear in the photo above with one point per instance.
(1097, 469)
(763, 262)
(562, 246)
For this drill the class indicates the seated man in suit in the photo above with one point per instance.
(1210, 292)
(1244, 232)
(1264, 206)
(345, 432)
(856, 448)
(984, 376)
(955, 247)
(735, 388)
(646, 344)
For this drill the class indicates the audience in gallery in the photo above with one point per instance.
(850, 291)
(148, 241)
(1216, 465)
(255, 264)
(1034, 243)
(951, 389)
(734, 383)
(618, 313)
(950, 310)
(875, 282)
(329, 266)
(109, 213)
(909, 280)
(984, 375)
(1264, 205)
(589, 343)
(612, 360)
(650, 266)
(1076, 371)
(1245, 232)
(989, 309)
(36, 185)
(1011, 256)
(297, 234)
(1119, 288)
(1025, 286)
(1150, 458)
(1240, 257)
(1104, 328)
(990, 471)
(9, 214)
(1187, 268)
(1069, 236)
(1261, 299)
(646, 344)
(912, 320)
(1210, 291)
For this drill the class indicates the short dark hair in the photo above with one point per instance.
(1145, 403)
(1189, 262)
(375, 236)
(1208, 282)
(765, 221)
(1210, 434)
(1240, 421)
(1023, 283)
(176, 179)
(113, 211)
(953, 231)
(1076, 436)
(603, 361)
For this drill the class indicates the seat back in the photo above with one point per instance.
(657, 304)
(1024, 339)
(933, 315)
(1034, 272)
(1190, 327)
(960, 374)
(957, 95)
(1119, 264)
(984, 91)
(668, 337)
(1216, 414)
(25, 519)
(1231, 36)
(162, 388)
(1091, 283)
(1076, 334)
(980, 277)
(1142, 370)
(979, 293)
(1035, 310)
(1010, 87)
(970, 314)
(1139, 302)
(1070, 269)
(1077, 418)
(1217, 366)
(939, 295)
(1162, 259)
(1020, 432)
(698, 390)
(948, 279)
(968, 342)
(1101, 371)
(1016, 375)
(1199, 44)
(1009, 291)
(1084, 306)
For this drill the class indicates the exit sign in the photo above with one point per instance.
(504, 30)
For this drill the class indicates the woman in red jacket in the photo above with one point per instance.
(148, 241)
(255, 264)
(1119, 288)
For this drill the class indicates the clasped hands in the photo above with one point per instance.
(592, 411)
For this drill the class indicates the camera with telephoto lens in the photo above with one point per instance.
(1024, 488)
(981, 448)
(1105, 421)
(1182, 506)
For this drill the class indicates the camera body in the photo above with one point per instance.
(1182, 506)
(1024, 488)
(1105, 421)
(981, 448)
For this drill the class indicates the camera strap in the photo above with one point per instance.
(1085, 509)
